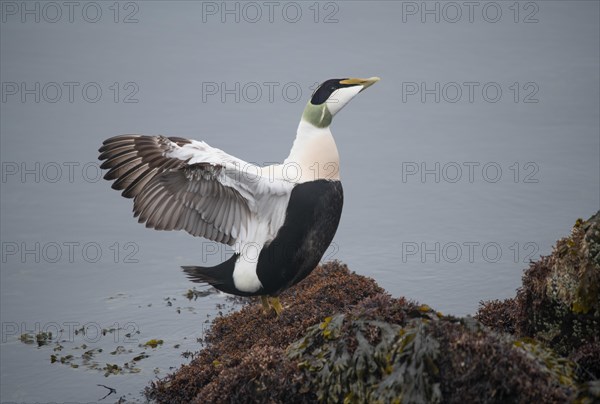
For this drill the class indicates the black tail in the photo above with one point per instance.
(219, 276)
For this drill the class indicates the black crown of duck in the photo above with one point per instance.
(279, 221)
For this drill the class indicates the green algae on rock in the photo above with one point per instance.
(368, 360)
(422, 356)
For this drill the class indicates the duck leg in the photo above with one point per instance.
(269, 303)
(276, 305)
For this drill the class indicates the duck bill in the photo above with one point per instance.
(365, 83)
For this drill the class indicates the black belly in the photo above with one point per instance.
(311, 220)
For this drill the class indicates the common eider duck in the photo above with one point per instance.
(279, 219)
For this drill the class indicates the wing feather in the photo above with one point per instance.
(181, 184)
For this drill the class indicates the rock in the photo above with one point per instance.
(341, 338)
(559, 302)
(245, 351)
(418, 355)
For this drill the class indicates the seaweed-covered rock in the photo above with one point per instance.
(574, 279)
(364, 359)
(559, 302)
(501, 315)
(341, 338)
(484, 366)
(376, 349)
(242, 343)
(426, 357)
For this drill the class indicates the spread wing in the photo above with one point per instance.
(181, 184)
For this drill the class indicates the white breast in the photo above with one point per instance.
(314, 156)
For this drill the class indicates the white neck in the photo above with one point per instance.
(314, 152)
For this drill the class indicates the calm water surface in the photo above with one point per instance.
(476, 151)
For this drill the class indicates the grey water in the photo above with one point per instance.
(477, 150)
